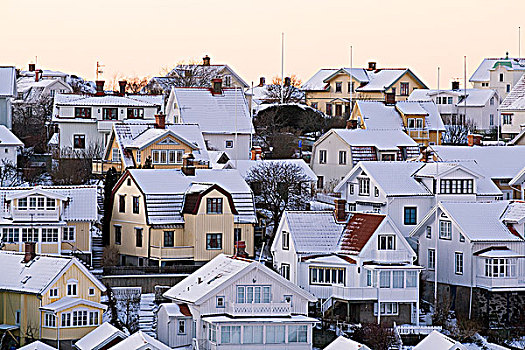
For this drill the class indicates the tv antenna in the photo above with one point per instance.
(99, 69)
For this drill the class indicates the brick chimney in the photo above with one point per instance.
(455, 85)
(340, 210)
(351, 124)
(122, 87)
(262, 81)
(160, 121)
(256, 153)
(188, 168)
(100, 87)
(30, 252)
(240, 249)
(32, 67)
(372, 66)
(38, 74)
(474, 140)
(390, 98)
(216, 86)
(287, 81)
(206, 60)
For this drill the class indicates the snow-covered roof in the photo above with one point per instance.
(357, 73)
(244, 166)
(515, 213)
(69, 302)
(109, 100)
(34, 277)
(500, 253)
(475, 97)
(165, 191)
(313, 232)
(382, 139)
(515, 100)
(482, 73)
(380, 80)
(82, 200)
(342, 343)
(8, 81)
(175, 310)
(260, 319)
(410, 108)
(37, 345)
(436, 340)
(218, 273)
(46, 73)
(316, 82)
(224, 113)
(140, 341)
(99, 337)
(8, 138)
(428, 109)
(377, 115)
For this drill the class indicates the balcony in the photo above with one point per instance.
(421, 134)
(163, 253)
(391, 256)
(259, 309)
(35, 215)
(105, 125)
(100, 166)
(371, 293)
(491, 283)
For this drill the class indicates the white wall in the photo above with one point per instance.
(240, 150)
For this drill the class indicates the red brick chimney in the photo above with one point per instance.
(256, 153)
(30, 252)
(206, 60)
(32, 67)
(390, 98)
(188, 168)
(122, 87)
(474, 140)
(340, 210)
(262, 81)
(372, 66)
(160, 121)
(216, 86)
(240, 249)
(287, 81)
(100, 87)
(38, 73)
(455, 85)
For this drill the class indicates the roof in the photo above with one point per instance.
(165, 191)
(316, 82)
(482, 73)
(515, 212)
(429, 109)
(260, 319)
(219, 273)
(99, 337)
(377, 115)
(381, 80)
(140, 340)
(342, 343)
(313, 232)
(68, 302)
(515, 100)
(82, 200)
(109, 100)
(175, 310)
(382, 139)
(359, 229)
(8, 138)
(359, 74)
(37, 345)
(475, 97)
(410, 108)
(37, 275)
(244, 166)
(436, 340)
(224, 113)
(8, 81)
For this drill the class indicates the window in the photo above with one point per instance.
(79, 141)
(387, 309)
(182, 327)
(237, 235)
(18, 316)
(368, 278)
(350, 188)
(458, 265)
(50, 204)
(404, 89)
(50, 235)
(118, 234)
(450, 101)
(329, 109)
(491, 120)
(364, 186)
(445, 229)
(29, 235)
(91, 291)
(115, 155)
(41, 203)
(219, 302)
(175, 156)
(66, 320)
(342, 157)
(212, 332)
(22, 204)
(285, 271)
(351, 86)
(49, 320)
(500, 267)
(53, 293)
(253, 294)
(138, 156)
(320, 182)
(10, 235)
(286, 240)
(214, 241)
(492, 101)
(501, 77)
(169, 238)
(297, 334)
(338, 86)
(386, 242)
(411, 279)
(410, 215)
(122, 203)
(230, 334)
(275, 334)
(384, 279)
(431, 259)
(508, 87)
(93, 318)
(253, 335)
(136, 204)
(322, 156)
(327, 275)
(376, 192)
(227, 80)
(229, 144)
(429, 232)
(397, 279)
(109, 113)
(138, 237)
(507, 119)
(214, 206)
(72, 288)
(461, 238)
(338, 110)
(456, 186)
(82, 112)
(135, 113)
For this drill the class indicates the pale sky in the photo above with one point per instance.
(140, 37)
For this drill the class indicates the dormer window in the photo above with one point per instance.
(456, 186)
(214, 206)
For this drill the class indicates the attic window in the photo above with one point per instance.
(128, 182)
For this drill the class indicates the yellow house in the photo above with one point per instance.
(54, 299)
(58, 219)
(131, 145)
(165, 216)
(330, 90)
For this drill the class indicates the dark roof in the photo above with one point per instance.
(192, 200)
(184, 309)
(358, 231)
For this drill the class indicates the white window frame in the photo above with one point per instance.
(74, 287)
(67, 233)
(54, 293)
(431, 258)
(386, 242)
(364, 186)
(445, 229)
(458, 263)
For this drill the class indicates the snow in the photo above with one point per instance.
(316, 82)
(7, 82)
(482, 73)
(382, 79)
(244, 166)
(7, 138)
(436, 340)
(69, 302)
(290, 319)
(107, 100)
(382, 139)
(148, 314)
(37, 345)
(410, 108)
(342, 343)
(377, 115)
(140, 340)
(100, 336)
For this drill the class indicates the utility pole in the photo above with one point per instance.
(99, 69)
(282, 68)
(351, 86)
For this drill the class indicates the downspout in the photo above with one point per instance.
(472, 282)
(149, 245)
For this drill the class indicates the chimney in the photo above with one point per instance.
(351, 124)
(188, 168)
(287, 81)
(256, 153)
(30, 253)
(206, 60)
(455, 85)
(38, 73)
(372, 66)
(340, 210)
(262, 81)
(32, 67)
(160, 121)
(216, 86)
(100, 87)
(390, 98)
(240, 249)
(122, 87)
(474, 140)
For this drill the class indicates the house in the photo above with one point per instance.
(58, 219)
(42, 74)
(48, 298)
(419, 119)
(494, 160)
(332, 90)
(234, 302)
(85, 121)
(336, 152)
(480, 106)
(11, 145)
(177, 322)
(37, 345)
(140, 341)
(513, 110)
(476, 252)
(266, 94)
(192, 75)
(7, 94)
(165, 216)
(32, 89)
(406, 191)
(342, 343)
(437, 340)
(221, 113)
(354, 265)
(132, 145)
(101, 338)
(500, 74)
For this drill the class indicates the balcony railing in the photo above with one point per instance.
(105, 125)
(391, 256)
(259, 309)
(500, 282)
(184, 252)
(100, 166)
(418, 133)
(372, 293)
(35, 215)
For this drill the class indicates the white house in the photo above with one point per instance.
(139, 341)
(221, 113)
(9, 146)
(239, 303)
(101, 338)
(513, 110)
(31, 90)
(499, 74)
(7, 94)
(406, 191)
(354, 266)
(437, 340)
(476, 251)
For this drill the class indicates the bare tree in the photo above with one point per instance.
(291, 90)
(9, 175)
(185, 74)
(75, 166)
(31, 120)
(456, 132)
(135, 84)
(377, 337)
(278, 186)
(110, 256)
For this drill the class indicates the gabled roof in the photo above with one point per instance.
(377, 115)
(37, 345)
(359, 74)
(193, 198)
(244, 166)
(515, 100)
(383, 79)
(7, 138)
(427, 109)
(176, 310)
(359, 229)
(212, 68)
(220, 272)
(109, 100)
(475, 97)
(436, 340)
(382, 139)
(316, 82)
(68, 302)
(515, 213)
(482, 73)
(99, 337)
(8, 82)
(342, 343)
(140, 341)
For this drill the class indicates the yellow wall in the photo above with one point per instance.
(28, 304)
(84, 283)
(70, 333)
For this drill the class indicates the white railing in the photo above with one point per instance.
(105, 125)
(409, 329)
(34, 215)
(500, 282)
(391, 256)
(201, 344)
(254, 309)
(372, 293)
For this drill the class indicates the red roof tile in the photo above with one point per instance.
(358, 231)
